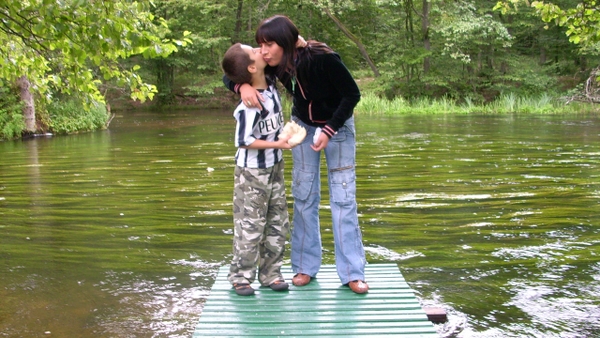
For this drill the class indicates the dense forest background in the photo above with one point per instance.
(460, 49)
(85, 54)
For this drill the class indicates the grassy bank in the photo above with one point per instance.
(68, 116)
(508, 103)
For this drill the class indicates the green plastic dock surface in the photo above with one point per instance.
(323, 308)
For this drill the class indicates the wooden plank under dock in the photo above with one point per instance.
(323, 308)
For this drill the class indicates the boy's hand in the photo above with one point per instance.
(282, 143)
(301, 43)
(284, 137)
(250, 96)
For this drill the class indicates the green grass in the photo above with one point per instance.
(371, 104)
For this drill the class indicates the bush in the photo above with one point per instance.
(11, 116)
(71, 115)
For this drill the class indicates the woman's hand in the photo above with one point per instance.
(321, 142)
(250, 96)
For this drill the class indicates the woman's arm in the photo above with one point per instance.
(343, 83)
(342, 80)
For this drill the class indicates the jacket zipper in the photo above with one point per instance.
(294, 80)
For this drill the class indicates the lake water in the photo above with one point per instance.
(119, 233)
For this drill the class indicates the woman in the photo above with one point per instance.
(324, 96)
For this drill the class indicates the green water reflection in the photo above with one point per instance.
(119, 233)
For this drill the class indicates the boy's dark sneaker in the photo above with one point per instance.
(279, 285)
(243, 289)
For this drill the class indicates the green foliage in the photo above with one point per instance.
(524, 76)
(73, 115)
(206, 86)
(11, 118)
(581, 19)
(473, 54)
(449, 78)
(73, 46)
(426, 52)
(209, 36)
(466, 33)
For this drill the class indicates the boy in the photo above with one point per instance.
(260, 214)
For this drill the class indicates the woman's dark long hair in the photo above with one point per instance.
(281, 30)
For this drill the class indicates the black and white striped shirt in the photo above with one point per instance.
(259, 124)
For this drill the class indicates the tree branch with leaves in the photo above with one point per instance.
(582, 23)
(73, 46)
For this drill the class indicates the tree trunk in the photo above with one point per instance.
(164, 82)
(361, 47)
(425, 31)
(582, 62)
(591, 92)
(542, 55)
(238, 22)
(28, 104)
(409, 21)
(490, 57)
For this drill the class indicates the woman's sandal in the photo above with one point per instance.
(243, 289)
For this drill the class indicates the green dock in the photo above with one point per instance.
(323, 308)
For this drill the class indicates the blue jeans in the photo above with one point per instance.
(340, 155)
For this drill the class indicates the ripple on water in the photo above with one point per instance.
(554, 311)
(382, 253)
(156, 307)
(546, 252)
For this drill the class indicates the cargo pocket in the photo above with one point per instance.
(302, 184)
(343, 186)
(340, 136)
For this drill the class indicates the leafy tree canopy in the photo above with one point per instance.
(581, 19)
(70, 45)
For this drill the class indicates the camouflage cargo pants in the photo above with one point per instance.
(261, 224)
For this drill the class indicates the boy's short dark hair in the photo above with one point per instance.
(235, 64)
